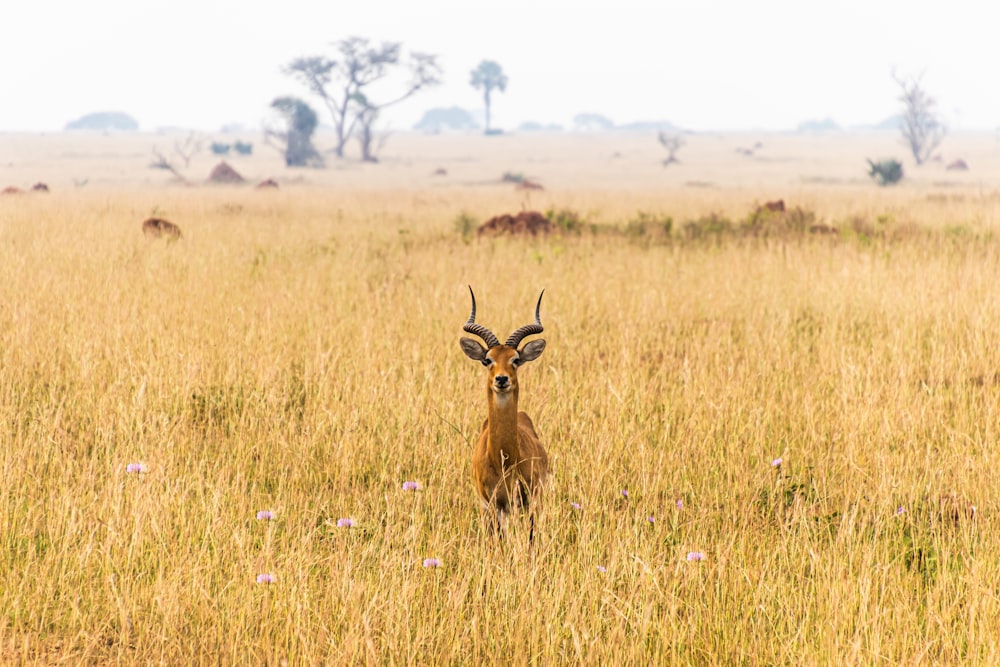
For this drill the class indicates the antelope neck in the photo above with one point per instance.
(502, 426)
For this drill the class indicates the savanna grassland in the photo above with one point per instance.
(770, 446)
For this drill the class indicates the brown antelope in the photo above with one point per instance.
(158, 227)
(509, 462)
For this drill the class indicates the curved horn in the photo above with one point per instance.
(478, 329)
(528, 329)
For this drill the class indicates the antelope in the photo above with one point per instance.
(157, 227)
(509, 462)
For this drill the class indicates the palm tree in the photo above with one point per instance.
(488, 76)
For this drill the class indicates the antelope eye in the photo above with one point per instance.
(515, 362)
(487, 361)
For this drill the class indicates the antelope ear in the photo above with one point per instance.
(531, 351)
(472, 349)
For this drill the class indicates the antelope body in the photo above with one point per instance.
(509, 462)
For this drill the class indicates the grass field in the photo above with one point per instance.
(297, 352)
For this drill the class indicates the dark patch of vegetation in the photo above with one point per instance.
(650, 227)
(566, 220)
(885, 172)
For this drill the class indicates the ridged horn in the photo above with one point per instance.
(478, 329)
(528, 329)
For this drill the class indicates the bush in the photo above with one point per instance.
(220, 149)
(243, 148)
(886, 172)
(466, 226)
(648, 226)
(566, 220)
(711, 225)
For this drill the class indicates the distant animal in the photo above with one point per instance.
(957, 165)
(509, 463)
(267, 183)
(158, 227)
(527, 184)
(440, 171)
(40, 187)
(776, 206)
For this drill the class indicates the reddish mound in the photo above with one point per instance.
(525, 222)
(11, 190)
(269, 183)
(527, 184)
(958, 165)
(223, 173)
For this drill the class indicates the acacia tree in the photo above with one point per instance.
(340, 82)
(488, 76)
(295, 140)
(921, 125)
(424, 71)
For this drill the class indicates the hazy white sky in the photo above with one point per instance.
(702, 64)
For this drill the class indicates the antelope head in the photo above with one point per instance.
(502, 361)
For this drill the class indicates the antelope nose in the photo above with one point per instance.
(502, 380)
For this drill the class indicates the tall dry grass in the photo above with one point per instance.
(297, 352)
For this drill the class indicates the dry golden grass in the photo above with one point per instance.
(298, 352)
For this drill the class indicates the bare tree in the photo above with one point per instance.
(673, 143)
(188, 148)
(160, 161)
(339, 82)
(424, 71)
(921, 125)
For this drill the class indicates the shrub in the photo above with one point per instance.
(566, 220)
(886, 172)
(466, 226)
(220, 149)
(649, 226)
(711, 225)
(243, 148)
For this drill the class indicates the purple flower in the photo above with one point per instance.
(900, 510)
(576, 506)
(695, 556)
(411, 486)
(680, 503)
(432, 562)
(602, 569)
(266, 578)
(651, 518)
(135, 468)
(345, 523)
(776, 463)
(265, 515)
(625, 494)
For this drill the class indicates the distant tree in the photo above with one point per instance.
(438, 118)
(219, 148)
(673, 143)
(592, 121)
(423, 71)
(188, 148)
(488, 76)
(341, 83)
(295, 139)
(885, 172)
(104, 120)
(921, 125)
